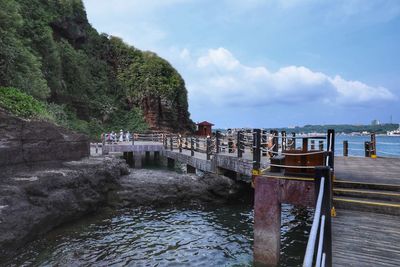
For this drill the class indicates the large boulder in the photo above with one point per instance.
(28, 143)
(34, 202)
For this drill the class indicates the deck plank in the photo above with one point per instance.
(368, 170)
(365, 239)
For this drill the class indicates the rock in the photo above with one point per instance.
(160, 187)
(162, 114)
(33, 203)
(25, 143)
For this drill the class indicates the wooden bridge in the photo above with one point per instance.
(364, 192)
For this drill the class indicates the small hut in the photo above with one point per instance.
(204, 128)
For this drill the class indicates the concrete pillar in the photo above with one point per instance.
(147, 157)
(190, 169)
(267, 221)
(156, 156)
(130, 160)
(138, 160)
(171, 163)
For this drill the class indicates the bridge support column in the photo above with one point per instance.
(170, 163)
(138, 160)
(190, 169)
(267, 222)
(156, 156)
(130, 160)
(270, 192)
(147, 157)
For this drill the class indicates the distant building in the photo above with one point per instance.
(204, 128)
(375, 122)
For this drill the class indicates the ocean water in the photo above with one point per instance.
(213, 235)
(386, 146)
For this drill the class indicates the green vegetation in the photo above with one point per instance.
(22, 105)
(90, 81)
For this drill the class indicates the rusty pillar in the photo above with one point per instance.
(267, 221)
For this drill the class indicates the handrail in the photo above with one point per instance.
(309, 257)
(321, 255)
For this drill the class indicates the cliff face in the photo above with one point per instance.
(27, 143)
(94, 77)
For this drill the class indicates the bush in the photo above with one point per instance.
(23, 105)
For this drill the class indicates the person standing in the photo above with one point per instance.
(121, 136)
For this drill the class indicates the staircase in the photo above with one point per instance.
(380, 198)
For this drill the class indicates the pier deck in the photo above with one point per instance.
(368, 170)
(364, 189)
(365, 239)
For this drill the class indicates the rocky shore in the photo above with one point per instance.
(32, 203)
(144, 187)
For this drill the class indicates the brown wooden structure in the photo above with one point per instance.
(204, 128)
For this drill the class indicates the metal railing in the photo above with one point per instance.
(319, 245)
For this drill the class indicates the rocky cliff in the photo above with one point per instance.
(25, 143)
(97, 82)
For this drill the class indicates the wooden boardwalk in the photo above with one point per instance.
(368, 170)
(365, 239)
(361, 236)
(364, 189)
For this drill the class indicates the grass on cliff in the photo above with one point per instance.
(25, 106)
(22, 104)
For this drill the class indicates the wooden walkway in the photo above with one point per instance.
(365, 239)
(368, 170)
(362, 236)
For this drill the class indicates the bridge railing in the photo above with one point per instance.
(319, 245)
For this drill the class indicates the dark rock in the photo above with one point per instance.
(33, 203)
(24, 142)
(159, 187)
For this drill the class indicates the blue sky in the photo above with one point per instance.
(270, 63)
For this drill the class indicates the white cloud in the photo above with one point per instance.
(219, 77)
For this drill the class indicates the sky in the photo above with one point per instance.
(270, 63)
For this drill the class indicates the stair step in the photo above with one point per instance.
(364, 185)
(390, 196)
(367, 205)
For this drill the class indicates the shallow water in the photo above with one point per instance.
(213, 235)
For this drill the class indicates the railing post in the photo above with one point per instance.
(256, 150)
(345, 148)
(171, 142)
(191, 146)
(239, 144)
(217, 136)
(264, 145)
(208, 147)
(165, 141)
(180, 143)
(293, 146)
(367, 147)
(133, 138)
(331, 147)
(197, 144)
(275, 142)
(283, 140)
(373, 145)
(230, 143)
(325, 171)
(320, 145)
(312, 144)
(186, 143)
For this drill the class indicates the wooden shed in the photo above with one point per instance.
(204, 128)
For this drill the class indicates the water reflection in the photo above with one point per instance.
(173, 236)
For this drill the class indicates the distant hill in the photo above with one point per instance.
(342, 128)
(93, 82)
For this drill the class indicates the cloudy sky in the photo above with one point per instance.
(270, 63)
